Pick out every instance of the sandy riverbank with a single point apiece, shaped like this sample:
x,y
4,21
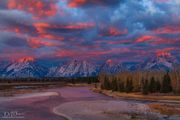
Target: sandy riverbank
x,y
26,96
105,110
139,96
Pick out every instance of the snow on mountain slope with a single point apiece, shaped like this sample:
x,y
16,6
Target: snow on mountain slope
x,y
75,69
112,67
3,65
25,67
160,62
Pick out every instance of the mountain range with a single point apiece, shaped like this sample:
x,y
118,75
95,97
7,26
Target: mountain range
x,y
28,67
25,67
74,68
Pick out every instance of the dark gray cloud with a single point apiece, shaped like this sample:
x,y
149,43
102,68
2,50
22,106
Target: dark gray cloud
x,y
121,29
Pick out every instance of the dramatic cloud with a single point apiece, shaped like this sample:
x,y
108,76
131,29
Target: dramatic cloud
x,y
112,31
86,3
38,8
145,38
96,30
168,30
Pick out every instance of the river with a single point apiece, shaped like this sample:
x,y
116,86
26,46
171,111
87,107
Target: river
x,y
76,103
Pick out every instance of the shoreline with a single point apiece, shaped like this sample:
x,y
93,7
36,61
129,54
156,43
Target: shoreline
x,y
104,110
167,107
139,97
55,111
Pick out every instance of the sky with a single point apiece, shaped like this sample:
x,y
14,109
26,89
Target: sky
x,y
97,30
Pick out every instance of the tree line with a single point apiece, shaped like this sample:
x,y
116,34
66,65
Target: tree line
x,y
144,82
73,80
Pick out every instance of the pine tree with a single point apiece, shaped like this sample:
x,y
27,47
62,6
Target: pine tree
x,y
131,85
89,80
145,87
166,84
121,87
127,86
114,84
158,86
107,85
73,81
142,84
152,85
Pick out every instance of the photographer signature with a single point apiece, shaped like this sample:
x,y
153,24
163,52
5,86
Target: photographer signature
x,y
11,114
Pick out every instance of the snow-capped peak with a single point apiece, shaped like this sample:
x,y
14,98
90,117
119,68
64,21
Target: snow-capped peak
x,y
76,68
109,62
24,67
113,66
161,61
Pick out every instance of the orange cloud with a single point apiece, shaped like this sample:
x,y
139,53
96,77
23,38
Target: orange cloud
x,y
79,26
87,54
165,40
118,42
168,30
79,3
15,54
76,3
156,40
26,59
145,38
164,52
72,53
39,8
51,37
42,29
37,43
41,26
112,31
15,29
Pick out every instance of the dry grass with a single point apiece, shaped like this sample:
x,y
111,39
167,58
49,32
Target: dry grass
x,y
14,91
167,109
80,85
29,83
139,96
